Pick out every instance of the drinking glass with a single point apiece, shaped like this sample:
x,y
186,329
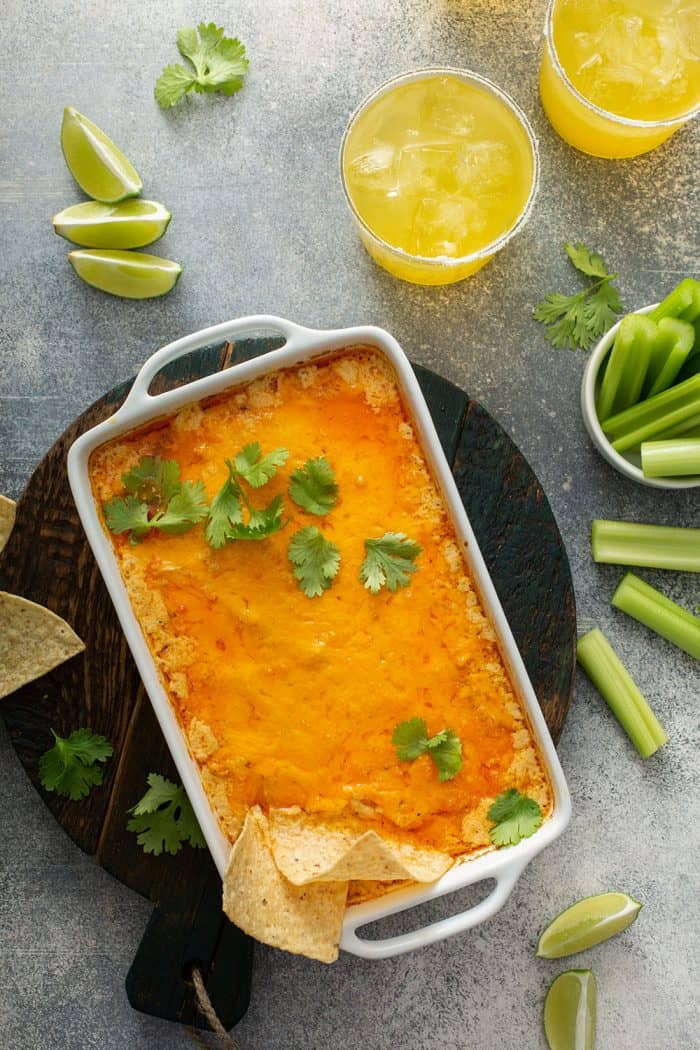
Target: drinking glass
x,y
440,169
641,57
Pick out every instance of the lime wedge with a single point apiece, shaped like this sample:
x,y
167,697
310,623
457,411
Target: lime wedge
x,y
587,922
570,1011
131,224
97,165
133,275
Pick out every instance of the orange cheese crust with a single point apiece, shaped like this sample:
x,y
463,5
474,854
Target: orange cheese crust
x,y
290,701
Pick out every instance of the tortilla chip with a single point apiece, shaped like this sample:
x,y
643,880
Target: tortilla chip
x,y
260,901
7,519
33,641
316,849
371,890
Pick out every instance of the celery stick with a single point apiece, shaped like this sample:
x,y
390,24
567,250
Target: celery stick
x,y
696,347
660,349
644,603
688,428
610,676
692,312
677,302
646,411
627,365
633,440
669,352
690,368
671,459
644,421
653,546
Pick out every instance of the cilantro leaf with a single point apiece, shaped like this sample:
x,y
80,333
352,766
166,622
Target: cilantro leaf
x,y
185,508
160,791
215,63
587,261
257,469
164,818
156,832
127,515
188,45
410,739
315,559
262,523
226,66
72,779
153,480
226,521
602,309
157,499
389,562
69,768
553,307
515,817
226,511
578,320
565,315
172,85
313,487
445,748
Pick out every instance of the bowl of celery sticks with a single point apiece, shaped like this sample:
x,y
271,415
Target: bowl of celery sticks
x,y
640,395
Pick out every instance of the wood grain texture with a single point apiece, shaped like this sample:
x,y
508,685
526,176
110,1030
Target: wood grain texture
x,y
524,552
48,560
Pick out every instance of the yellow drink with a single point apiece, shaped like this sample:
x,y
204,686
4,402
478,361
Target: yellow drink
x,y
618,77
440,169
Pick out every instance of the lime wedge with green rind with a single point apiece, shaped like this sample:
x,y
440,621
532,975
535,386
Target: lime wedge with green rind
x,y
586,923
130,224
97,165
570,1011
133,275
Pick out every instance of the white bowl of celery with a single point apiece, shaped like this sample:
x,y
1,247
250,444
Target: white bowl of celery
x,y
640,395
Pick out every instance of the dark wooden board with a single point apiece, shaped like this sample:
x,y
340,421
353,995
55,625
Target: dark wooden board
x,y
48,560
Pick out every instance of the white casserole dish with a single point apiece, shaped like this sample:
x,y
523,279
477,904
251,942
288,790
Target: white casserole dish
x,y
503,866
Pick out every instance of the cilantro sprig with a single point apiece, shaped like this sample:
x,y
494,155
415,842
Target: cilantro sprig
x,y
73,765
313,487
156,499
389,562
315,559
164,818
256,469
153,480
226,521
214,62
411,740
515,817
578,320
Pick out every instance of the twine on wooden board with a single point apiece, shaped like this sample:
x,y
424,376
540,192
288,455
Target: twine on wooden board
x,y
208,1012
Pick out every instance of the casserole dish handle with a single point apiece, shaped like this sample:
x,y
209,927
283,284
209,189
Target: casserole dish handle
x,y
138,397
505,880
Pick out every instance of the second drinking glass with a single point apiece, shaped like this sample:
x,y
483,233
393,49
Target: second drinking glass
x,y
619,77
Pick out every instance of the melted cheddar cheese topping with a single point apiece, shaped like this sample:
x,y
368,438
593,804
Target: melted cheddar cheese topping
x,y
291,701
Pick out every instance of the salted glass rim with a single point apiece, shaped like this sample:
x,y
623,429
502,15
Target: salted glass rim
x,y
443,261
615,118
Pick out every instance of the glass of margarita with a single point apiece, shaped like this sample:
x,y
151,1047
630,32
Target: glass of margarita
x,y
619,77
440,169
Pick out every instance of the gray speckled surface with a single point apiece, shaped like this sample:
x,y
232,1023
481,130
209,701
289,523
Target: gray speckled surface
x,y
260,225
